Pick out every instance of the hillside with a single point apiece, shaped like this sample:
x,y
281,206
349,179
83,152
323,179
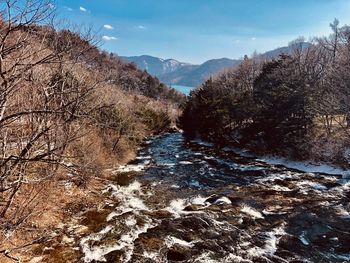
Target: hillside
x,y
69,113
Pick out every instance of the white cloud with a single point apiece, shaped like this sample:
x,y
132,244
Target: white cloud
x,y
109,38
253,38
68,8
82,9
141,27
108,27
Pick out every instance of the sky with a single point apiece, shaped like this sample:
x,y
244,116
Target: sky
x,y
198,30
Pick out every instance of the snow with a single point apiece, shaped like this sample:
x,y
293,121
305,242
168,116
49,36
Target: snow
x,y
306,166
130,168
144,157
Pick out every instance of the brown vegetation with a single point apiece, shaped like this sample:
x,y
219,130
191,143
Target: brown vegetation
x,y
68,111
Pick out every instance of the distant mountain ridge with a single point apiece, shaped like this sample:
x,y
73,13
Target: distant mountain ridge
x,y
155,66
173,72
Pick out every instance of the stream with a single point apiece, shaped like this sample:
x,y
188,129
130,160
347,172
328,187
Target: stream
x,y
187,201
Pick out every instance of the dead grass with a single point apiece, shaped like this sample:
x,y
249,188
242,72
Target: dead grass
x,y
59,205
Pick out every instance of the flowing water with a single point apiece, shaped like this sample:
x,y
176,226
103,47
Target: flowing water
x,y
187,201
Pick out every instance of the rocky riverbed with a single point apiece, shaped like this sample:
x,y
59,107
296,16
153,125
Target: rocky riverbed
x,y
188,201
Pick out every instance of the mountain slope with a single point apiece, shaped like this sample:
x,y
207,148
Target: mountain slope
x,y
155,66
286,50
173,72
195,75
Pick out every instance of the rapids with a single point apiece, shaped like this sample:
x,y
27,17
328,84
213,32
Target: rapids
x,y
188,201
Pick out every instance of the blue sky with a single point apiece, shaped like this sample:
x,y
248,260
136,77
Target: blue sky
x,y
197,30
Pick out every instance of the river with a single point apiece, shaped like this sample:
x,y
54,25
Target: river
x,y
184,89
188,201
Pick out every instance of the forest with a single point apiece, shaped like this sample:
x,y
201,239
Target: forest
x,y
296,105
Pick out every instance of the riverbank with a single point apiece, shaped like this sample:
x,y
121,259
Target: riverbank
x,y
66,212
307,166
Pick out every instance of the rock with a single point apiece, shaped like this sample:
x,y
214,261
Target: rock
x,y
37,259
175,255
192,208
61,226
67,240
81,230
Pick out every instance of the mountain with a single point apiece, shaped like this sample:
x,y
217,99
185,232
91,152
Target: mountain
x,y
286,50
173,72
155,66
194,75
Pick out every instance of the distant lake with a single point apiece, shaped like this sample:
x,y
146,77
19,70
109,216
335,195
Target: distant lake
x,y
184,89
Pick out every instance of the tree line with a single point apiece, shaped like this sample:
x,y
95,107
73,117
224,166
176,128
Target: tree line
x,y
296,104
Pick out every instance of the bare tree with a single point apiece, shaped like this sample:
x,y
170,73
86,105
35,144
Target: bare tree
x,y
40,100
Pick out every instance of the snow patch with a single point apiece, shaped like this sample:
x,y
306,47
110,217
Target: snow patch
x,y
131,168
305,166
